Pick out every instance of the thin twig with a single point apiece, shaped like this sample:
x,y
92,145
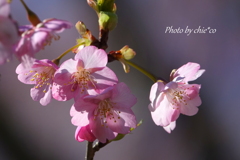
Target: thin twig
x,y
89,151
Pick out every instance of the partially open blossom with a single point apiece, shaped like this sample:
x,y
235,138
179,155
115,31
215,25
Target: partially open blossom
x,y
35,38
41,75
86,73
8,33
107,113
84,133
127,54
123,55
177,96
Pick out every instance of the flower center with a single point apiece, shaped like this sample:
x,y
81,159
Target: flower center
x,y
106,112
48,39
178,97
83,79
43,78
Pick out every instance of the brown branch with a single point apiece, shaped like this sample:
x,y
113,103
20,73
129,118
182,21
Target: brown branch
x,y
90,150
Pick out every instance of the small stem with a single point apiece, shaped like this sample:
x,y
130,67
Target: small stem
x,y
103,38
66,52
149,75
100,145
89,151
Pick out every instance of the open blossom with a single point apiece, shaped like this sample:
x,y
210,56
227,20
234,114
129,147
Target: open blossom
x,y
106,114
41,75
8,33
35,38
85,74
169,100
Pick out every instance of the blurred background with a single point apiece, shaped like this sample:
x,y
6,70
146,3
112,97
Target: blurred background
x,y
31,131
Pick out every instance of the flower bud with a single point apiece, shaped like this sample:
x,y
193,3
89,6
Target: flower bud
x,y
87,37
128,53
32,17
93,4
107,20
81,28
107,5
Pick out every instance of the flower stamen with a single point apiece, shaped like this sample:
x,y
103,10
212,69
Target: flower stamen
x,y
105,111
42,78
178,96
83,79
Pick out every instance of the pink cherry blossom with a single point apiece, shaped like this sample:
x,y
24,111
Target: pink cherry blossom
x,y
107,113
8,33
85,74
35,38
41,75
169,100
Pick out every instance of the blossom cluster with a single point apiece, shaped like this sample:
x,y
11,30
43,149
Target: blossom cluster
x,y
102,107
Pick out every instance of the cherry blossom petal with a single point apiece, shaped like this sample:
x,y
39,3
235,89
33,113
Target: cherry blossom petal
x,y
26,77
156,95
79,118
92,57
102,133
164,114
107,93
8,34
63,74
192,90
192,106
86,104
63,93
46,98
37,94
128,116
105,78
123,97
156,89
190,71
38,39
170,127
8,38
56,24
117,124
